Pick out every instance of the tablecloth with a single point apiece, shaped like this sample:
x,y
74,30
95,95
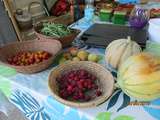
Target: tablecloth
x,y
31,95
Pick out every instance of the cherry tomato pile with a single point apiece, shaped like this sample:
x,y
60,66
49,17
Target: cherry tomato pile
x,y
28,58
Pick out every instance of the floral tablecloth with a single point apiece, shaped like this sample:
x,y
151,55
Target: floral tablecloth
x,y
31,95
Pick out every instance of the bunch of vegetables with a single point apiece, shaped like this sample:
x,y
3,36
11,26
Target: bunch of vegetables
x,y
55,30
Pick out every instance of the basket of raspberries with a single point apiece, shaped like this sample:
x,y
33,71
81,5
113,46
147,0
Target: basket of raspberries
x,y
81,84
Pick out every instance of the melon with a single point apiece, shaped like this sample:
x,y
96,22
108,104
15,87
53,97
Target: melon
x,y
139,77
119,50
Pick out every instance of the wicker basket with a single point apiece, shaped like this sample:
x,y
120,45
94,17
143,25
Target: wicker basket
x,y
66,41
104,76
51,46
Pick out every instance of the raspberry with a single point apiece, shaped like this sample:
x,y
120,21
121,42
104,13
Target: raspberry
x,y
98,93
69,88
76,85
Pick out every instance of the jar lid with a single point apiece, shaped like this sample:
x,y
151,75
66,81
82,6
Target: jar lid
x,y
19,11
24,17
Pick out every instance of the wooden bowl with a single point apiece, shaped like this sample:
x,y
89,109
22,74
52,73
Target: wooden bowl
x,y
65,41
9,50
105,78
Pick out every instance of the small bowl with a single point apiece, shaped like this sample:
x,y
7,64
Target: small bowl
x,y
65,41
50,46
105,78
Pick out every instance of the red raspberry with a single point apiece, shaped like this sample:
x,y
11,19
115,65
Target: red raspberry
x,y
69,88
76,85
98,93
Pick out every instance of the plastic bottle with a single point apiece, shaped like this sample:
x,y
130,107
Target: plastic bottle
x,y
89,10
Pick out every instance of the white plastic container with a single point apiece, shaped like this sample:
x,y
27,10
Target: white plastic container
x,y
154,30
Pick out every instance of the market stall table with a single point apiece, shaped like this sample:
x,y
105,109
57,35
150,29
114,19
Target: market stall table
x,y
30,93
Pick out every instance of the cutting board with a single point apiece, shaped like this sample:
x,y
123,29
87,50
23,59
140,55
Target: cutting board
x,y
102,34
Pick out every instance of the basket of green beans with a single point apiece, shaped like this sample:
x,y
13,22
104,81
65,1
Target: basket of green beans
x,y
50,30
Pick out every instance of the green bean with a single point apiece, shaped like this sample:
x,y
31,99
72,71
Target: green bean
x,y
55,30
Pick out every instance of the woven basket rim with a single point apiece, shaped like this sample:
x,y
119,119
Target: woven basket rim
x,y
30,41
52,37
56,42
28,66
32,65
35,27
92,103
